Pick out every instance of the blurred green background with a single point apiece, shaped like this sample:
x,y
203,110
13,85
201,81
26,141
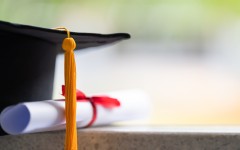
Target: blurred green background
x,y
161,18
184,53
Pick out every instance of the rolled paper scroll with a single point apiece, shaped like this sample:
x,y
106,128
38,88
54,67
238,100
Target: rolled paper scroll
x,y
49,115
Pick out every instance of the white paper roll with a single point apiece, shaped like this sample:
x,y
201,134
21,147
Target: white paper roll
x,y
49,115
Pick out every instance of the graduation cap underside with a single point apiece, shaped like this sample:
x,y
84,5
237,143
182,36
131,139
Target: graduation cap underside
x,y
28,55
83,40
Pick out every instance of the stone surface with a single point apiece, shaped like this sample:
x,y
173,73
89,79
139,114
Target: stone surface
x,y
131,138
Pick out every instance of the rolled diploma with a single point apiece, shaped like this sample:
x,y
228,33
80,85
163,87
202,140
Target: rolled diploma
x,y
48,115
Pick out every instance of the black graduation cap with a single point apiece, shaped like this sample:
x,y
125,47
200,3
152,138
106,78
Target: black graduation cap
x,y
28,55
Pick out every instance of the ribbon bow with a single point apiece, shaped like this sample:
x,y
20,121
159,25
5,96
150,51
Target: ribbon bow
x,y
104,101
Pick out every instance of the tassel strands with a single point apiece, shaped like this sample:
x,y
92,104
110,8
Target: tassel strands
x,y
70,94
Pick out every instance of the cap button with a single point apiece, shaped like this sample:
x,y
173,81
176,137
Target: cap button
x,y
69,44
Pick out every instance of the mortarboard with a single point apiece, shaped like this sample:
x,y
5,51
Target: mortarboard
x,y
28,57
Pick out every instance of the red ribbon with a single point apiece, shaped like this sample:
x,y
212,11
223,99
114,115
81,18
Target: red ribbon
x,y
104,101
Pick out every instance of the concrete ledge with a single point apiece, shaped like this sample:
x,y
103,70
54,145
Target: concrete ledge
x,y
131,137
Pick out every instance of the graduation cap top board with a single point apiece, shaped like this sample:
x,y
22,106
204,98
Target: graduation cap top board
x,y
27,59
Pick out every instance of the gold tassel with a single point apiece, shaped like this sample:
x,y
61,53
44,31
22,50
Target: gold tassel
x,y
70,94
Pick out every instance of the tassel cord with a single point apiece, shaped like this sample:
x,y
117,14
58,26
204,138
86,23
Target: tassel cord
x,y
70,96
